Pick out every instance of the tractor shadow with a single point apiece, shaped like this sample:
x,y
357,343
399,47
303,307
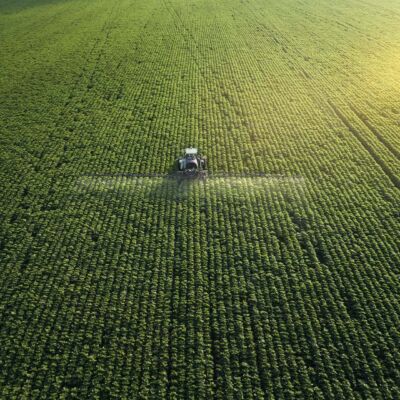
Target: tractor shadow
x,y
174,188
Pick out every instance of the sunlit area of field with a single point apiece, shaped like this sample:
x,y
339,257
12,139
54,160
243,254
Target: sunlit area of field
x,y
276,276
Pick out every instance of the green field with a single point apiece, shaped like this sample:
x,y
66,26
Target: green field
x,y
278,287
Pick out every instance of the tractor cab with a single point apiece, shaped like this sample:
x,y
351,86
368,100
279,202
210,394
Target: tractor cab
x,y
191,161
190,156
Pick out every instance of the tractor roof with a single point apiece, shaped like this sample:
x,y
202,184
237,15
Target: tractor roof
x,y
191,150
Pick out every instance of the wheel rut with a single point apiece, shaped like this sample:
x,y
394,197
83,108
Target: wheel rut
x,y
393,178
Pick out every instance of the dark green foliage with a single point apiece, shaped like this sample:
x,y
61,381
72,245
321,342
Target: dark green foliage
x,y
285,287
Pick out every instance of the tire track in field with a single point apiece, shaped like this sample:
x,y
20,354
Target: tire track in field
x,y
393,178
377,134
185,32
307,73
175,16
188,37
213,88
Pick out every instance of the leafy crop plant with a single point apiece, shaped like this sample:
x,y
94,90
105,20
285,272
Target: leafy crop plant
x,y
277,280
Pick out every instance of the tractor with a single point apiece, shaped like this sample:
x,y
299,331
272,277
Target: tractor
x,y
192,163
